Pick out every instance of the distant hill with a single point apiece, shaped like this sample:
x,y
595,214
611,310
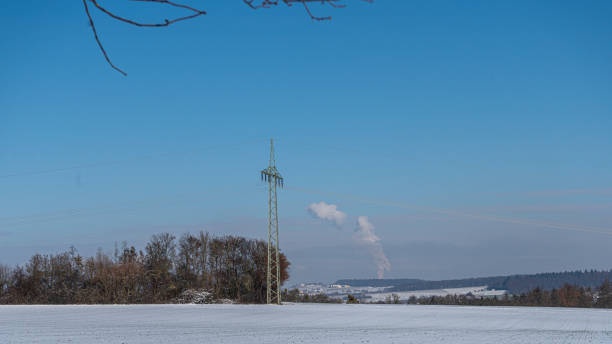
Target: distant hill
x,y
515,284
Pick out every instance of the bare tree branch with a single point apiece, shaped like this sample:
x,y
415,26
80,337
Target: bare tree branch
x,y
196,13
132,22
93,28
310,13
269,3
166,21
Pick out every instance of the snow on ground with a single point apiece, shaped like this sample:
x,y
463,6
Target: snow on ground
x,y
302,323
481,291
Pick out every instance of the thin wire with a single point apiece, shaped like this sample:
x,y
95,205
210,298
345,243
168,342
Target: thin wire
x,y
43,217
120,162
102,209
454,212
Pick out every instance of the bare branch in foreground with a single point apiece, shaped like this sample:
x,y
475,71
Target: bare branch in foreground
x,y
269,3
166,22
196,13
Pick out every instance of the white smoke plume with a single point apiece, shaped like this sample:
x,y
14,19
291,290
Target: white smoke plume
x,y
364,234
327,212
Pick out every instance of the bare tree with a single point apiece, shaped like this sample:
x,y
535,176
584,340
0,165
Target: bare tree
x,y
5,278
193,14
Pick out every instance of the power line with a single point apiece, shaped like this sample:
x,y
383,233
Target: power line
x,y
99,210
123,161
455,213
109,209
68,213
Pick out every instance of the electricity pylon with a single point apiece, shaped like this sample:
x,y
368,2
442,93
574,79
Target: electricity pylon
x,y
274,179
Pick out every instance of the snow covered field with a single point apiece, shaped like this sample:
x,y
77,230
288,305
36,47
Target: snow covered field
x,y
303,323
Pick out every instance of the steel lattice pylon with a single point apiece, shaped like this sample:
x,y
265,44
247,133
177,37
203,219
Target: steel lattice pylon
x,y
274,179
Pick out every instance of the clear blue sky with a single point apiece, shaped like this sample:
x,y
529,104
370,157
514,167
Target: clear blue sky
x,y
495,108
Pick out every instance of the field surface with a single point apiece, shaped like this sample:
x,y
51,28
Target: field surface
x,y
303,323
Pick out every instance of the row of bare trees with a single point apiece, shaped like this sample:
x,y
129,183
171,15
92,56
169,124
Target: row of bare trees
x,y
230,267
566,296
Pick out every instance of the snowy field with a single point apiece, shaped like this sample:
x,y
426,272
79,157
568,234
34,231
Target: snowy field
x,y
303,323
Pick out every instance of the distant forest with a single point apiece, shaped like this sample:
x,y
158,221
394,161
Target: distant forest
x,y
515,284
566,296
228,267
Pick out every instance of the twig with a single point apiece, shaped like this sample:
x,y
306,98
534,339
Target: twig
x,y
166,21
132,22
93,28
310,13
268,3
196,13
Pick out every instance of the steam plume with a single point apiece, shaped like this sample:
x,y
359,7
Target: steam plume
x,y
327,212
364,234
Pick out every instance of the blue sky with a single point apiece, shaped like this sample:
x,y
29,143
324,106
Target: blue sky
x,y
494,108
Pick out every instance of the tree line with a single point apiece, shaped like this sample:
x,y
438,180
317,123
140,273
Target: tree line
x,y
514,284
294,295
566,296
229,267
